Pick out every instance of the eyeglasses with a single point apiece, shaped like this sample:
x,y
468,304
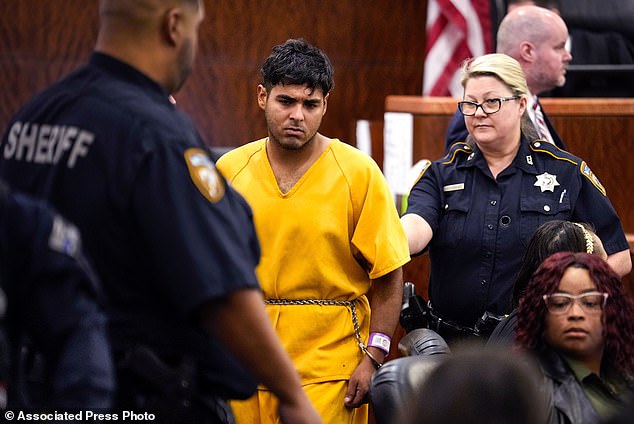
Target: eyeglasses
x,y
488,106
560,303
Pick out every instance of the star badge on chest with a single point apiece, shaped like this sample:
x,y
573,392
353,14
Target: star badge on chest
x,y
546,182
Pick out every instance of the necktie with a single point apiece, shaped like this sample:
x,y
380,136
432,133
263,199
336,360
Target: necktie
x,y
540,123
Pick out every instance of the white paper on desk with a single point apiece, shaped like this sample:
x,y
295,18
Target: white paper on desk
x,y
398,136
364,140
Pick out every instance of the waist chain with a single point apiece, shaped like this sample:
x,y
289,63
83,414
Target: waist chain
x,y
350,304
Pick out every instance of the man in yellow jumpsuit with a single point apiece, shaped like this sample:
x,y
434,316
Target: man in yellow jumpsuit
x,y
330,235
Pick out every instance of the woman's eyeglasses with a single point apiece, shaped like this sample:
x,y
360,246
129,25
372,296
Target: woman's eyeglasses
x,y
560,303
489,106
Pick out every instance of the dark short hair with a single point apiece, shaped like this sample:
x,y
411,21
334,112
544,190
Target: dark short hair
x,y
475,384
296,62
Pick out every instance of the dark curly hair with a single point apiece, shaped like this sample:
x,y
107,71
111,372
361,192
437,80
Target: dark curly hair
x,y
618,314
296,62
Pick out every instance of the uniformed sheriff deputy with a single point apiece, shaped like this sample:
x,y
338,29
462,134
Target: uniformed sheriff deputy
x,y
54,323
174,246
476,208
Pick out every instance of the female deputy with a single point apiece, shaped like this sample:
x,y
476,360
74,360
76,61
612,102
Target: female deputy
x,y
476,208
578,321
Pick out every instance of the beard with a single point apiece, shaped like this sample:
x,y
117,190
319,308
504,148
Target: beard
x,y
185,64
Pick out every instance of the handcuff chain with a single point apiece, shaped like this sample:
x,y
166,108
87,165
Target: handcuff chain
x,y
328,302
347,303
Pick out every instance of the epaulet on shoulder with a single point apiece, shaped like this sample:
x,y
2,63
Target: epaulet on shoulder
x,y
456,149
544,147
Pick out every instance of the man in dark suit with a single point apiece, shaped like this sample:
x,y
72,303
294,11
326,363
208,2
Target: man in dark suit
x,y
536,38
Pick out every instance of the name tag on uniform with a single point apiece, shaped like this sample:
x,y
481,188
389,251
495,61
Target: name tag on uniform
x,y
453,187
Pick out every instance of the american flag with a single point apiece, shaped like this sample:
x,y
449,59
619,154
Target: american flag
x,y
456,30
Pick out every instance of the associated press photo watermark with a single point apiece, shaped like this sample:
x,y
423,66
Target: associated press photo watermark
x,y
79,416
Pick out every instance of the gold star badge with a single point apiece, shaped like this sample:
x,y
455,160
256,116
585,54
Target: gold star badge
x,y
546,182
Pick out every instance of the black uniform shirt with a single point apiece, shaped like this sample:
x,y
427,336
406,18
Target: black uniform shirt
x,y
481,225
107,147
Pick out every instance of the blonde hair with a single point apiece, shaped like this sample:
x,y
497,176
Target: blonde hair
x,y
497,65
509,72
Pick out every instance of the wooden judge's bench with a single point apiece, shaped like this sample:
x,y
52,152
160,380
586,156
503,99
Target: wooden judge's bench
x,y
598,130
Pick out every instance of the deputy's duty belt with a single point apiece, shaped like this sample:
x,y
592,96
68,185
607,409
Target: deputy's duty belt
x,y
438,324
483,327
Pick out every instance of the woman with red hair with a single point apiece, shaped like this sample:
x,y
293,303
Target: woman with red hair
x,y
578,321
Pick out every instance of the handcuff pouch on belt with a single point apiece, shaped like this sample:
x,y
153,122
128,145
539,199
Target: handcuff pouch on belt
x,y
487,323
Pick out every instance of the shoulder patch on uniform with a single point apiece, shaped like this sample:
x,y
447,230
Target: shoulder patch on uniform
x,y
585,170
419,170
204,174
64,237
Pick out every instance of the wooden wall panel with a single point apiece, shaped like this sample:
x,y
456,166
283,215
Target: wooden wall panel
x,y
39,42
377,49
